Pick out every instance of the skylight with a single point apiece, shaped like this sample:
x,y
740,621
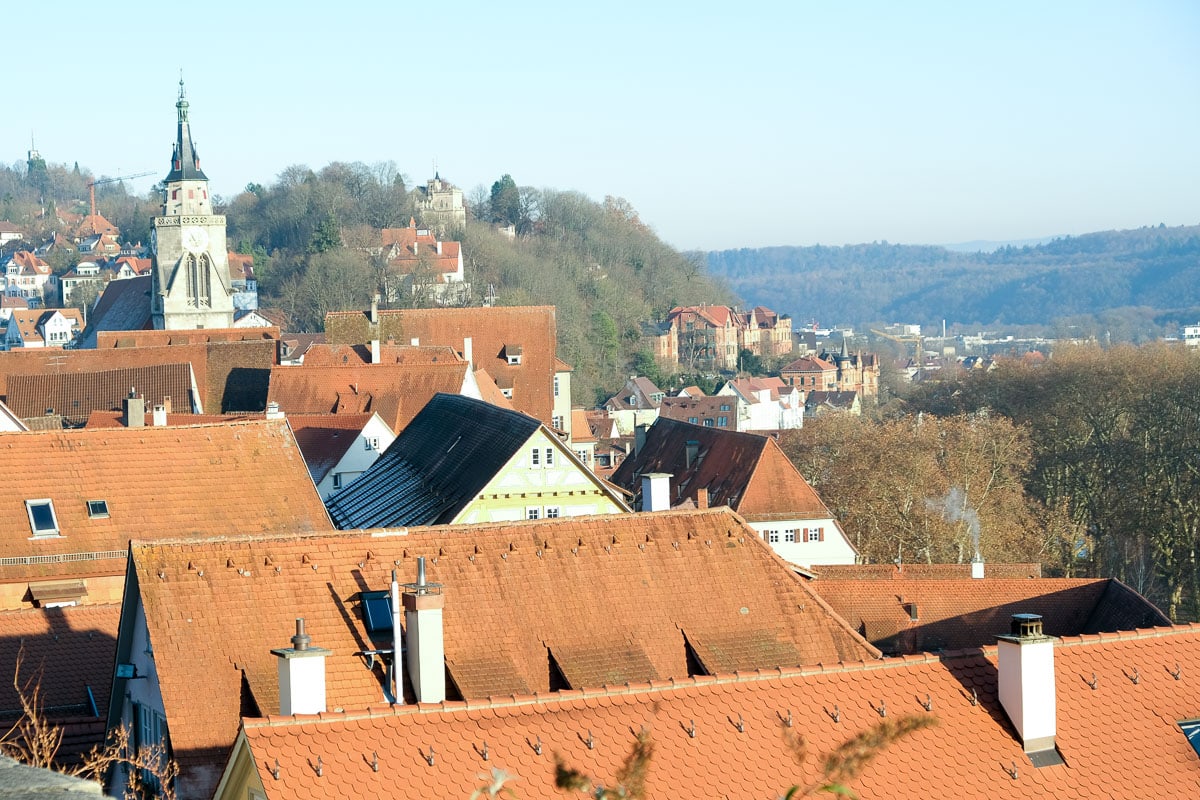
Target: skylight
x,y
41,517
1191,730
377,613
97,509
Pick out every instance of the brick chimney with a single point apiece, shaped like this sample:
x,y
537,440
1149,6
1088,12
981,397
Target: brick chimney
x,y
656,491
702,498
301,675
134,409
1026,668
423,604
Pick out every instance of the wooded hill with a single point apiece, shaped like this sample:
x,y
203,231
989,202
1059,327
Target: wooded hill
x,y
1133,285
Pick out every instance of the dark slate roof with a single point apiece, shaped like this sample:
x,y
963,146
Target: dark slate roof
x,y
75,395
445,457
185,163
124,306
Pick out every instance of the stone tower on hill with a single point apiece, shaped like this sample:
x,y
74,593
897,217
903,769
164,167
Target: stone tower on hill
x,y
190,283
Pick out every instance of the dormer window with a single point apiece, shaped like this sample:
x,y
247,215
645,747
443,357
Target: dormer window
x,y
512,354
42,519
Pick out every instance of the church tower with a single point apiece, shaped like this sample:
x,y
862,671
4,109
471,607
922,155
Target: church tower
x,y
190,283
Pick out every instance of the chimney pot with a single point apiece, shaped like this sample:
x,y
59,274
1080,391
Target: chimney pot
x,y
301,670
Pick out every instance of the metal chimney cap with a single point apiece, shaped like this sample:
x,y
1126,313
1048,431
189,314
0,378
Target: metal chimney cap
x,y
301,640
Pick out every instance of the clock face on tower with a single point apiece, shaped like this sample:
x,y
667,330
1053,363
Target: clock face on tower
x,y
195,240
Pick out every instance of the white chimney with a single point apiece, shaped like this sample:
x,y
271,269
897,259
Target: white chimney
x,y
414,248
397,645
439,247
977,567
301,675
415,342
656,491
160,416
1026,667
374,315
135,410
468,352
423,603
273,411
374,351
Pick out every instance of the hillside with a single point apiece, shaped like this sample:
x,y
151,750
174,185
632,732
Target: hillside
x,y
1148,279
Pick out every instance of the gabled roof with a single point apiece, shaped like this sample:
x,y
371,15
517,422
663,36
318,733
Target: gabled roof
x,y
746,472
29,263
75,395
611,598
809,364
748,388
1119,740
838,400
956,613
396,391
437,465
325,438
68,654
701,408
637,393
581,429
123,306
30,321
205,480
489,329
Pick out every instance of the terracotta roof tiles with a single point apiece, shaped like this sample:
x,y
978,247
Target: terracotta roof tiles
x,y
727,737
191,481
512,599
489,329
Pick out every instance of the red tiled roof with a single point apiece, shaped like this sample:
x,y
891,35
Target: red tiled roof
x,y
727,737
489,329
809,364
956,613
513,598
395,391
116,419
231,375
325,438
581,431
28,320
746,472
30,264
336,355
204,480
64,652
918,571
75,395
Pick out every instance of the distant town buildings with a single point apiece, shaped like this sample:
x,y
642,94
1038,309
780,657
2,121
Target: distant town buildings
x,y
712,338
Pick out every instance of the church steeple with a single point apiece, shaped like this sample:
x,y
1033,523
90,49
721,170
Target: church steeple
x,y
185,163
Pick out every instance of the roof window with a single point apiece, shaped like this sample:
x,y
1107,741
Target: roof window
x,y
42,519
97,509
1191,731
377,613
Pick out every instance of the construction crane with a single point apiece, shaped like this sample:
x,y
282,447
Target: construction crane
x,y
905,340
92,190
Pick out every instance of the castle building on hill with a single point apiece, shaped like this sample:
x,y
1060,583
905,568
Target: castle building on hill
x,y
190,285
440,204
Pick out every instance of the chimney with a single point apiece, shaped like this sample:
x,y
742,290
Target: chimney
x,y
977,567
414,248
468,352
160,416
910,608
423,603
691,450
656,491
439,247
374,351
639,438
1026,672
273,411
415,342
702,498
134,409
301,675
374,315
166,403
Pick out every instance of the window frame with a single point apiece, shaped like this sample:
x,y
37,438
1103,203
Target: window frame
x,y
533,512
42,533
97,509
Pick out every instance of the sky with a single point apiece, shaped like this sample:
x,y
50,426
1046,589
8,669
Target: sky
x,y
725,125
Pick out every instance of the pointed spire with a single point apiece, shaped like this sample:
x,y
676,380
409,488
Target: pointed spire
x,y
185,163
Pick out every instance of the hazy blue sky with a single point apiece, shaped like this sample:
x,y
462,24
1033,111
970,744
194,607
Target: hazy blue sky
x,y
725,124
